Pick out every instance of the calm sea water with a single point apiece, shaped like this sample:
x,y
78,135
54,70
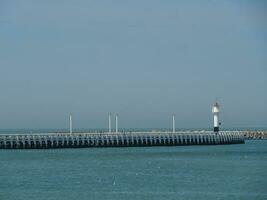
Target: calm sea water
x,y
183,172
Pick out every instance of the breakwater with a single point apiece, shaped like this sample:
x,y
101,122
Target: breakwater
x,y
255,135
130,139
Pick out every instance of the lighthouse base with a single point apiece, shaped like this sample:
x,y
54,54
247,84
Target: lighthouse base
x,y
216,129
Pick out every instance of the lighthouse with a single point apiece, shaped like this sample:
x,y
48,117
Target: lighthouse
x,y
216,111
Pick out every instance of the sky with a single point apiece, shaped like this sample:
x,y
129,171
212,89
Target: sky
x,y
142,59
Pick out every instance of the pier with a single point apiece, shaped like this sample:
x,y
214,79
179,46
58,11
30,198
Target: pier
x,y
118,139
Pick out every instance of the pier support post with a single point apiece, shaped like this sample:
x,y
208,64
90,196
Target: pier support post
x,y
70,123
109,122
116,118
173,123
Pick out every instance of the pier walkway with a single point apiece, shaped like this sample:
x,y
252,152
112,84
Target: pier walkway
x,y
127,139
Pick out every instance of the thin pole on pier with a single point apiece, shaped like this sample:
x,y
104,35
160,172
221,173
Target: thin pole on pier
x,y
173,123
109,122
70,123
116,118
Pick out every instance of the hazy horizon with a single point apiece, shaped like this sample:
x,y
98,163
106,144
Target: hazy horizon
x,y
142,59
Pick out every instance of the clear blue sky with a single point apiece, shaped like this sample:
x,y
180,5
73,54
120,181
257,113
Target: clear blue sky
x,y
144,59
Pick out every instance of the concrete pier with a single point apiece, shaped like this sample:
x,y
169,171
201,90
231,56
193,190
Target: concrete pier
x,y
128,139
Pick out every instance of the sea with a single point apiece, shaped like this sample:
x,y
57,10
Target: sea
x,y
178,172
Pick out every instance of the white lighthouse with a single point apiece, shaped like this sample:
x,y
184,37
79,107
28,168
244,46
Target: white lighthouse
x,y
216,111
